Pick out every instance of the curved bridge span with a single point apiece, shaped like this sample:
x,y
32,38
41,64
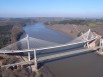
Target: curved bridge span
x,y
83,40
29,44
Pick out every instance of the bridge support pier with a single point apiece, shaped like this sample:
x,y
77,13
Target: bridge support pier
x,y
100,50
34,67
29,56
35,59
101,45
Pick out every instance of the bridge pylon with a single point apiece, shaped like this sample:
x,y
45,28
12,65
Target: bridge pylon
x,y
28,44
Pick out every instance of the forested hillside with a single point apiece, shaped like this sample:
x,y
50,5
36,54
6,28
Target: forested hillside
x,y
9,33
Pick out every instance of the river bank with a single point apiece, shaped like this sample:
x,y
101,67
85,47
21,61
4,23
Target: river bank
x,y
10,33
74,30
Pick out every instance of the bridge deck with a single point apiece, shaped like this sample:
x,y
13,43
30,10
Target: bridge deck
x,y
54,56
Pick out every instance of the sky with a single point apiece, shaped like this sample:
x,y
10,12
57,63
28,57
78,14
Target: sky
x,y
51,8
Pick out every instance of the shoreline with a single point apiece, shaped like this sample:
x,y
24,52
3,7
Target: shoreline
x,y
75,30
67,29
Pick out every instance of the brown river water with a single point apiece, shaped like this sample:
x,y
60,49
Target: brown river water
x,y
82,65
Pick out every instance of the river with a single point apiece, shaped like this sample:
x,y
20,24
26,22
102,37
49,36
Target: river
x,y
84,65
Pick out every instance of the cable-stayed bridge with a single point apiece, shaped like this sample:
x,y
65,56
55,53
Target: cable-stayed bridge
x,y
29,44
